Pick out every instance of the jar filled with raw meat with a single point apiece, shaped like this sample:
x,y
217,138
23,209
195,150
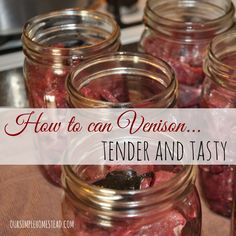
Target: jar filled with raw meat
x,y
179,31
132,200
219,91
122,80
55,43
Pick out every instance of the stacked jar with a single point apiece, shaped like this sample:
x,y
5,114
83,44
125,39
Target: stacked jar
x,y
219,91
179,32
134,199
53,45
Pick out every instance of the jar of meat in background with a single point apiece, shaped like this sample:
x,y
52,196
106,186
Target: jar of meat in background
x,y
169,205
122,80
55,43
179,32
219,91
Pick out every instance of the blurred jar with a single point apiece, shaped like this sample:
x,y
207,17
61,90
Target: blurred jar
x,y
219,91
122,80
179,31
170,206
55,43
219,87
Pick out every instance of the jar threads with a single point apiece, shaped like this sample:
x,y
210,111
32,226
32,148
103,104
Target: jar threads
x,y
123,80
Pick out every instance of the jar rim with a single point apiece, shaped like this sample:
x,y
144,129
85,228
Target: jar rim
x,y
68,170
131,57
216,41
108,203
219,24
38,20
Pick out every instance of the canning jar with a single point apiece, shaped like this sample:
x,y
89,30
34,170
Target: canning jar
x,y
219,91
55,43
169,206
179,31
122,80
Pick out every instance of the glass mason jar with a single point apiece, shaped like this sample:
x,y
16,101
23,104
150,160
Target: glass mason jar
x,y
55,43
179,31
219,91
122,80
170,206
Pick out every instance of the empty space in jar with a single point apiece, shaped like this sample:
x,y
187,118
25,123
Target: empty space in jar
x,y
191,11
72,31
73,36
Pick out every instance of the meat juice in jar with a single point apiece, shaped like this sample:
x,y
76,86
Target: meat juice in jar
x,y
53,45
219,91
179,32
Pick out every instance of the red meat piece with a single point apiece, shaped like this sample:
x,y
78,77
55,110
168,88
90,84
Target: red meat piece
x,y
162,176
90,93
107,96
187,74
45,83
93,173
186,61
108,89
171,223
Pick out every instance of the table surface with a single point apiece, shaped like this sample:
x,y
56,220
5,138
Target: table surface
x,y
26,194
